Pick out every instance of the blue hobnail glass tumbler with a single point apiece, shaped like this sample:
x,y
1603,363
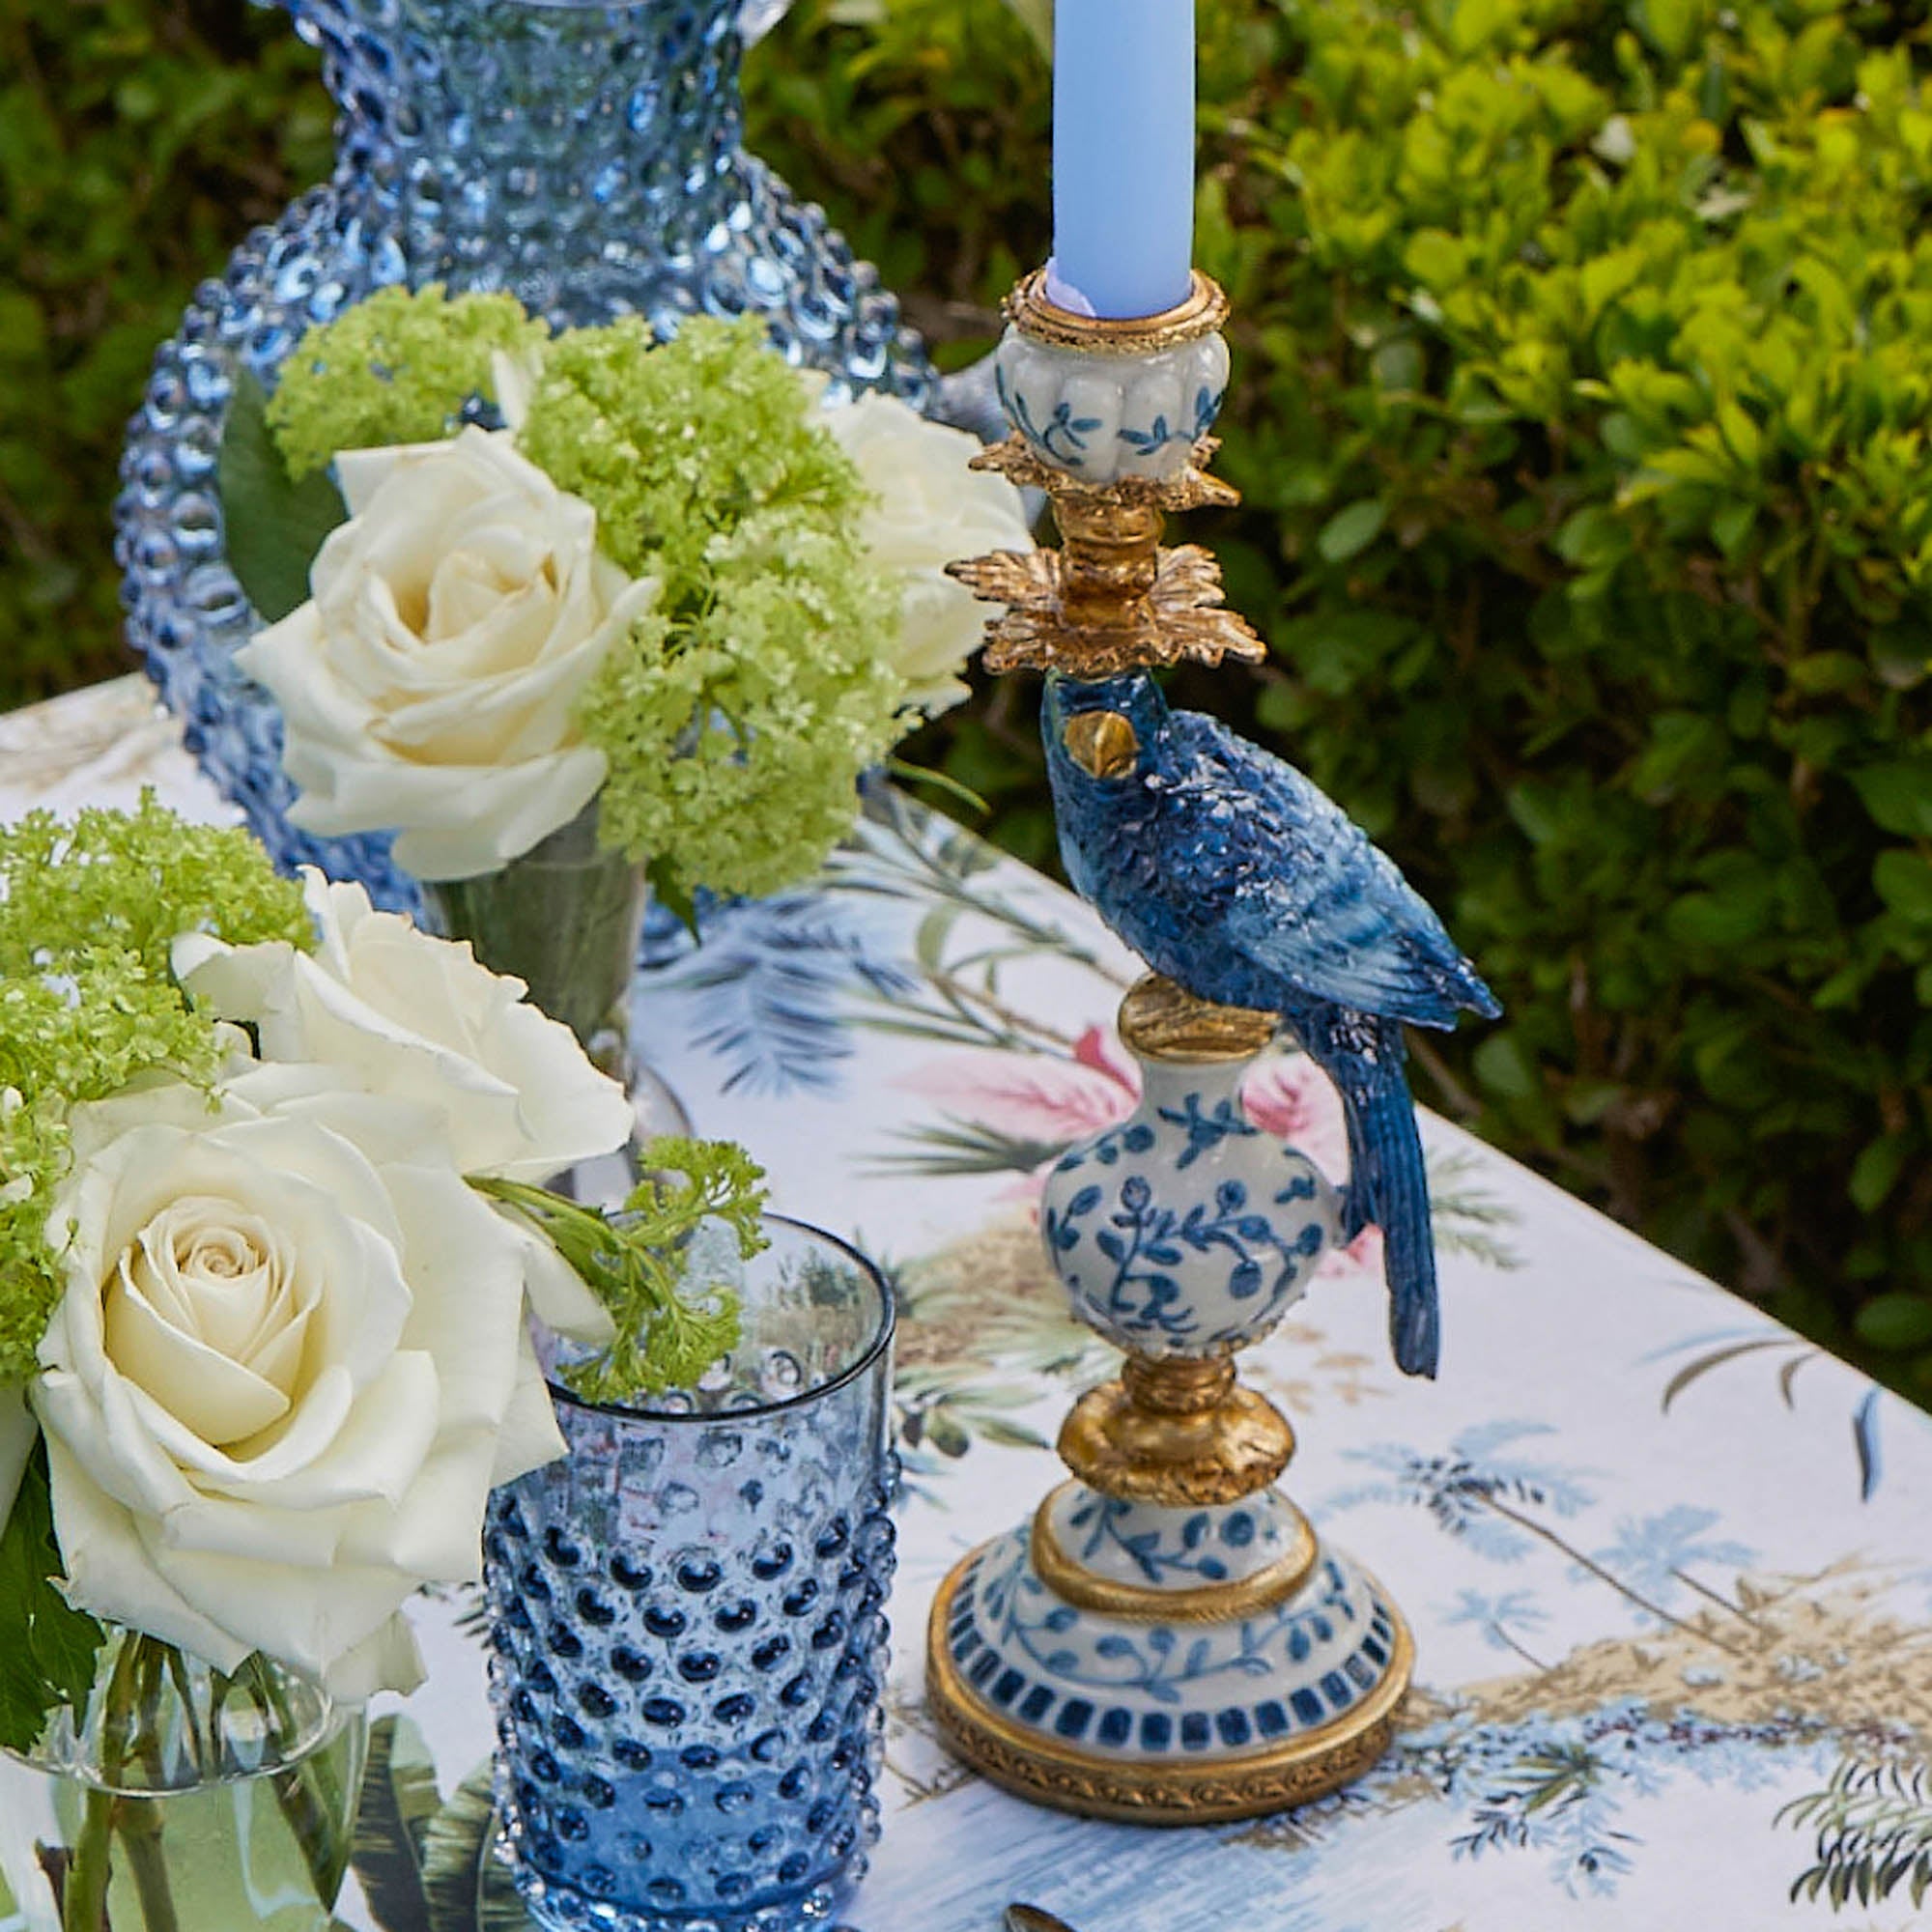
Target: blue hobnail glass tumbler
x,y
687,1624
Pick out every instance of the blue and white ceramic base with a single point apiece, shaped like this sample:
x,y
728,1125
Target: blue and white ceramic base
x,y
1168,1640
1103,418
1165,1722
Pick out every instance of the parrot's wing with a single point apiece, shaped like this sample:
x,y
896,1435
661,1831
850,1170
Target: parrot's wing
x,y
1300,890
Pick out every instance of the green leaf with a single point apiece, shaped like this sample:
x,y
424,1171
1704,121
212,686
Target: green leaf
x,y
1437,257
667,888
48,1649
1904,882
1731,528
1736,910
466,1887
1876,1170
1895,1322
272,527
1350,531
399,1799
1504,1068
1036,18
1898,795
1594,538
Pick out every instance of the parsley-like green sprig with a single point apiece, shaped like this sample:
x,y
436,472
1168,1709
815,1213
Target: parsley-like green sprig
x,y
88,914
669,1334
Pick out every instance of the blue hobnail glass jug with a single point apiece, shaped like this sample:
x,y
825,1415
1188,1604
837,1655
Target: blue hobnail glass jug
x,y
587,158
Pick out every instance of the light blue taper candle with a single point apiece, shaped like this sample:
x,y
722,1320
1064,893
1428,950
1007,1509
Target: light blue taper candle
x,y
1123,155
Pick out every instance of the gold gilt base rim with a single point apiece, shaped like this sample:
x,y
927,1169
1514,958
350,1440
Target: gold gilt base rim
x,y
1131,1791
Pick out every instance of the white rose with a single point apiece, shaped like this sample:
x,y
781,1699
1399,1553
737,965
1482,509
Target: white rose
x,y
287,1367
429,684
927,509
421,1020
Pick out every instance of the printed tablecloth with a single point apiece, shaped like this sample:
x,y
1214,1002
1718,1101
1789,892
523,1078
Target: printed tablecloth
x,y
1669,1565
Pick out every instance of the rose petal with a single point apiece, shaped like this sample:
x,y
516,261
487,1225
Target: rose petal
x,y
389,1659
109,1573
529,1436
212,1397
558,1295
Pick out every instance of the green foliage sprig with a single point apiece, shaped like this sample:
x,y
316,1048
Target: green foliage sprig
x,y
88,912
398,367
669,1330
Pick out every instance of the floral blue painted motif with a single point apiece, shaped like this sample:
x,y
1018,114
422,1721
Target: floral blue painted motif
x,y
1158,434
1142,1245
1122,1682
1062,437
1192,1558
1201,1231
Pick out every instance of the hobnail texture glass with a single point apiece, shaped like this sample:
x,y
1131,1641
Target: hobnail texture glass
x,y
585,158
689,1625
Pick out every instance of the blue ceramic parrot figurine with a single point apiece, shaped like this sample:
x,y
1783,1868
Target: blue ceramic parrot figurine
x,y
1227,870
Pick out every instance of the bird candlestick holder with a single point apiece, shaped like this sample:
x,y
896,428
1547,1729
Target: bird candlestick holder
x,y
1166,1639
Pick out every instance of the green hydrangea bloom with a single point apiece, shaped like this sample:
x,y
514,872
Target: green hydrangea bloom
x,y
738,720
88,913
675,444
396,368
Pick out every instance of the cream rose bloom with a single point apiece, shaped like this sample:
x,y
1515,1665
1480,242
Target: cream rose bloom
x,y
287,1367
927,509
428,686
420,1020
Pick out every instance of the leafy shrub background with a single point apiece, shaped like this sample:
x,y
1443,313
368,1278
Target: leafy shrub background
x,y
1583,357
139,139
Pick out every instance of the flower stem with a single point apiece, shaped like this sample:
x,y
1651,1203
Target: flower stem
x,y
131,1726
310,1798
84,1895
138,1821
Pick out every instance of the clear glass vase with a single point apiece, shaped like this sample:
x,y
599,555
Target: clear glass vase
x,y
181,1801
689,1625
566,919
586,158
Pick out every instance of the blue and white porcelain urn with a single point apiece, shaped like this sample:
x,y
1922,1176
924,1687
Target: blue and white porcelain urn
x,y
1187,1231
1166,1639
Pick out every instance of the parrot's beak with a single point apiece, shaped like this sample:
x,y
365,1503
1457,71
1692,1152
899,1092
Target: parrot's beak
x,y
1102,743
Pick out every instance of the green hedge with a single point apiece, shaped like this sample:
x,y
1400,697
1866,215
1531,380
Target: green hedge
x,y
139,139
1582,356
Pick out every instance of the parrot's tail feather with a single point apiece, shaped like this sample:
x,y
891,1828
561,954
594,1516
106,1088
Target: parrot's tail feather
x,y
1388,1181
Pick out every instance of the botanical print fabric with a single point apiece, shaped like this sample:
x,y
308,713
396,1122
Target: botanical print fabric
x,y
1668,1567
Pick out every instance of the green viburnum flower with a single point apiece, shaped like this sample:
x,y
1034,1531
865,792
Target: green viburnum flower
x,y
737,723
396,368
675,444
88,912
